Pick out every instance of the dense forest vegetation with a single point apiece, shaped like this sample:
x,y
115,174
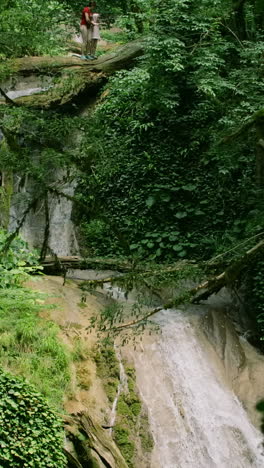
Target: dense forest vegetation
x,y
170,160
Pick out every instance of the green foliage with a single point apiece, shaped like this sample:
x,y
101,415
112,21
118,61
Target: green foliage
x,y
99,239
29,345
260,408
16,262
131,15
32,27
160,173
255,297
30,433
36,145
258,289
116,36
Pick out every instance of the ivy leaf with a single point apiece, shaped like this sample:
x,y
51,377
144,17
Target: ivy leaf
x,y
150,201
181,214
133,246
177,247
189,187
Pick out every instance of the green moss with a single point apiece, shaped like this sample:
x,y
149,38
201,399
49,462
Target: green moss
x,y
136,408
122,407
128,411
107,367
146,439
130,424
125,444
66,87
111,387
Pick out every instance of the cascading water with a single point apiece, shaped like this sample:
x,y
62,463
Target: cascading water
x,y
25,92
195,418
122,387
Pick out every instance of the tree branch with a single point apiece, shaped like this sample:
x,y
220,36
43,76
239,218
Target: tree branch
x,y
12,236
211,286
8,100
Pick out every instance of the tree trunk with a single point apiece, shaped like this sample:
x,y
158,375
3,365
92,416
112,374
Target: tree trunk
x,y
208,287
72,76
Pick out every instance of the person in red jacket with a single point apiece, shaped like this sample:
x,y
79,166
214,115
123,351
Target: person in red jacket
x,y
86,31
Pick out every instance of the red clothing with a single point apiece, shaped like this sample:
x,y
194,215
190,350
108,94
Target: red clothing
x,y
85,10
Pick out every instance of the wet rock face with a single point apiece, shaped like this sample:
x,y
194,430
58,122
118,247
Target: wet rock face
x,y
242,364
49,220
18,86
221,334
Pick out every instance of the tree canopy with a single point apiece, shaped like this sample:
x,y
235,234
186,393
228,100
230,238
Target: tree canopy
x,y
165,171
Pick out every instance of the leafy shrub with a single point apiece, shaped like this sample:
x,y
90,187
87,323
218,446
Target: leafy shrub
x,y
16,261
99,238
32,28
30,433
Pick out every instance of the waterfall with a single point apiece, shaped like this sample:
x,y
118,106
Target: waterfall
x,y
195,418
122,386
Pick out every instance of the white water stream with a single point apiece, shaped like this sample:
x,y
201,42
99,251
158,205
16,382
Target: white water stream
x,y
122,387
25,92
195,418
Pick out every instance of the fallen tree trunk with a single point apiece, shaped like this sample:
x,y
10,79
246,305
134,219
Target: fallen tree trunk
x,y
60,264
112,61
139,273
72,75
209,287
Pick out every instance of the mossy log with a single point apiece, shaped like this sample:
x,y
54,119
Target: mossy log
x,y
55,264
72,76
112,61
91,444
60,264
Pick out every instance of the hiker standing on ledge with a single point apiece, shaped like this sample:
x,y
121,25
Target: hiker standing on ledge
x,y
95,31
86,31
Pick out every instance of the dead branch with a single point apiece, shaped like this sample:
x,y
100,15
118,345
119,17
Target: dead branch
x,y
13,234
212,260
